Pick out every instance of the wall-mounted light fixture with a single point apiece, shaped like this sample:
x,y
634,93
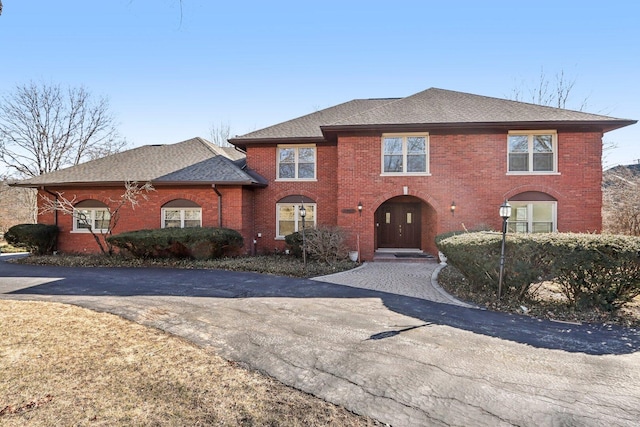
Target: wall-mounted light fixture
x,y
360,208
453,208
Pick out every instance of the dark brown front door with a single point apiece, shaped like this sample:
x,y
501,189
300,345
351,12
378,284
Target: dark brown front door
x,y
398,225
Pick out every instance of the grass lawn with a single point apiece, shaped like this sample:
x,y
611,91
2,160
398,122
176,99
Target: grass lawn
x,y
63,365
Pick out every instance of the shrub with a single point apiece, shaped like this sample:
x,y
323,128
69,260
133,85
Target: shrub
x,y
596,271
294,243
326,244
198,243
39,239
599,271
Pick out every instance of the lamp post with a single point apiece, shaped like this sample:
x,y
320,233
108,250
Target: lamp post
x,y
303,214
505,213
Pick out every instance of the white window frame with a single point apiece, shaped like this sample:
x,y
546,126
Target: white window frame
x,y
297,148
530,135
530,205
297,218
182,215
92,220
404,137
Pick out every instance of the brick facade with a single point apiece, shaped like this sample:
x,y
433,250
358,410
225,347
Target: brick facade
x,y
236,208
469,169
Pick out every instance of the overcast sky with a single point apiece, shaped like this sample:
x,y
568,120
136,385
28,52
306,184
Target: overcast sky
x,y
170,71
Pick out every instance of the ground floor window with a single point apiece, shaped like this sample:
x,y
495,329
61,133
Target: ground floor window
x,y
181,214
91,215
288,218
532,217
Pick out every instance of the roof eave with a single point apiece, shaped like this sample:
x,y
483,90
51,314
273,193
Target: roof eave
x,y
603,125
242,143
121,183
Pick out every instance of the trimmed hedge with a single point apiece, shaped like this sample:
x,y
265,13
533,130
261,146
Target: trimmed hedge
x,y
197,242
39,239
597,271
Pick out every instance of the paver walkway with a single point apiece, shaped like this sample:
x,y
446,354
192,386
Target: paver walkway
x,y
412,279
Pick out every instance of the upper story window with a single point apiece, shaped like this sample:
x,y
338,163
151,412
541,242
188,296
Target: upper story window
x,y
296,162
181,213
91,215
532,152
405,154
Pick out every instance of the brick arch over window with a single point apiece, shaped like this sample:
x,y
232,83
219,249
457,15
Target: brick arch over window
x,y
531,189
532,196
181,203
90,203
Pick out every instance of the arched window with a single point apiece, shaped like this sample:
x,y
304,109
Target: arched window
x,y
181,213
288,218
533,212
91,215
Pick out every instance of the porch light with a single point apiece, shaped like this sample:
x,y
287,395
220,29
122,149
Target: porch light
x,y
360,208
453,208
303,214
505,213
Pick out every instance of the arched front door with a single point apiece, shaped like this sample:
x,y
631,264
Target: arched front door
x,y
398,224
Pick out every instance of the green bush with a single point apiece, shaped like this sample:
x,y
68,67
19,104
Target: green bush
x,y
294,243
600,271
198,243
597,271
39,239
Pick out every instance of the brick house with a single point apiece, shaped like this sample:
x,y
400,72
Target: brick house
x,y
393,173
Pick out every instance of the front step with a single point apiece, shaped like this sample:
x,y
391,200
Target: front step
x,y
402,255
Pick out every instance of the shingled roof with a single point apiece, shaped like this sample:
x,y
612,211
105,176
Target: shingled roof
x,y
432,108
192,161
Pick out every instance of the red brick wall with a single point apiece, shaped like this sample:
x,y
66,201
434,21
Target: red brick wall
x,y
148,213
262,159
469,169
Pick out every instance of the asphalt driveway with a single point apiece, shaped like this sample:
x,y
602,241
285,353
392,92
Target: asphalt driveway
x,y
401,359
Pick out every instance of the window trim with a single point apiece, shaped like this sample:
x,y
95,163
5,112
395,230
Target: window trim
x,y
530,204
92,211
297,147
404,136
297,219
530,134
182,215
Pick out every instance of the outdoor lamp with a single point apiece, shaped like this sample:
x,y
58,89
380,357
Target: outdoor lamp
x,y
453,208
360,208
303,214
505,213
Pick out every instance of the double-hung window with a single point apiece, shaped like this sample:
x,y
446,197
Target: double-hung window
x,y
181,213
296,162
532,152
289,220
532,217
405,154
91,215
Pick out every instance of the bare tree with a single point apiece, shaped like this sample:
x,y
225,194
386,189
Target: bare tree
x,y
220,134
551,93
621,201
44,128
131,197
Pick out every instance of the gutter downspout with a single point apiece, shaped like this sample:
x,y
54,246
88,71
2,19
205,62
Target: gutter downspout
x,y
219,204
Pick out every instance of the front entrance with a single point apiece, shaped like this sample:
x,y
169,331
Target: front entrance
x,y
398,225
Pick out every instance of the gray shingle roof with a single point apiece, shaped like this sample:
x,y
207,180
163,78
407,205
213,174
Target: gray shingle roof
x,y
309,126
192,161
430,107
